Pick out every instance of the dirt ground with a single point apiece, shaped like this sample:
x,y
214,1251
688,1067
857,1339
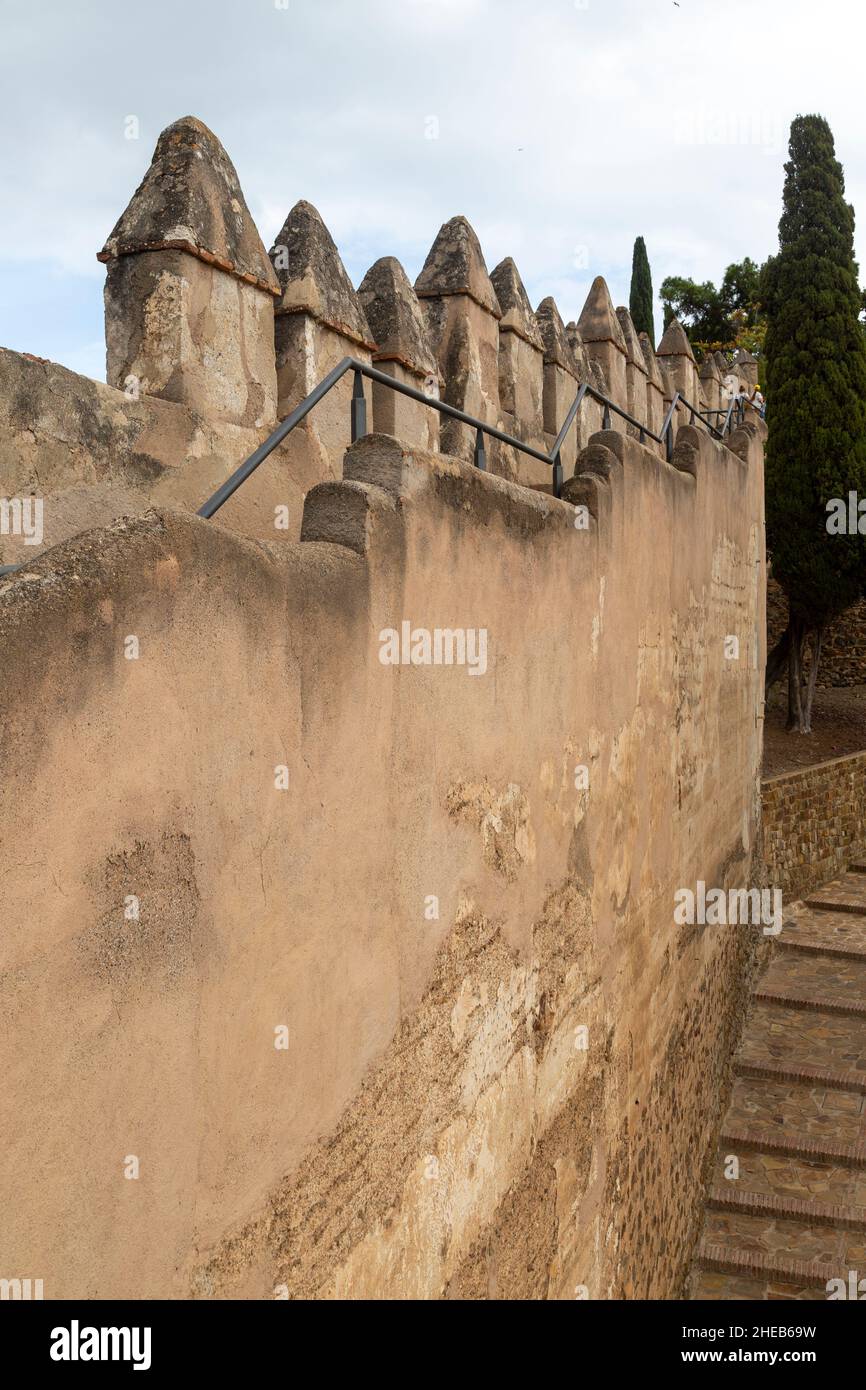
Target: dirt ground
x,y
838,724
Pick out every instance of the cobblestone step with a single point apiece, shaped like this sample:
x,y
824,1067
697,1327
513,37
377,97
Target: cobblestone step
x,y
732,1199
825,926
795,1037
710,1285
799,1273
786,1208
817,947
795,1146
817,1076
849,1008
787,1175
844,894
788,1108
816,977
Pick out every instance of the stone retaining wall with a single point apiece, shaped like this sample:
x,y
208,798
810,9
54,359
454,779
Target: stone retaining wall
x,y
814,822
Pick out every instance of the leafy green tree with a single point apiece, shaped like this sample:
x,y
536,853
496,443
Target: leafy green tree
x,y
698,308
740,292
726,317
816,404
640,300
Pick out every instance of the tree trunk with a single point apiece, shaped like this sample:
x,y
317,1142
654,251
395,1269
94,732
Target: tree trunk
x,y
817,639
795,669
777,661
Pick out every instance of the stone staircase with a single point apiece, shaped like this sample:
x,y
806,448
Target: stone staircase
x,y
796,1215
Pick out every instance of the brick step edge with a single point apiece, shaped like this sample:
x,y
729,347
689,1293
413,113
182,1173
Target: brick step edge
x,y
805,1273
812,1150
809,1076
825,905
814,947
787,1208
812,1003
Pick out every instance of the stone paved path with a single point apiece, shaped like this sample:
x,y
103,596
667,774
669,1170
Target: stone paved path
x,y
796,1214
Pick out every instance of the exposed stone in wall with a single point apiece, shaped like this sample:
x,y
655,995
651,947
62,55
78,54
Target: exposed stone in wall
x,y
189,292
404,351
814,823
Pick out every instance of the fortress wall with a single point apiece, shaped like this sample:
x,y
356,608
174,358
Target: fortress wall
x,y
210,340
434,1127
92,453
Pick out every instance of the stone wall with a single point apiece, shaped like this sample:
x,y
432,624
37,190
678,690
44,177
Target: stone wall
x,y
372,969
210,340
814,823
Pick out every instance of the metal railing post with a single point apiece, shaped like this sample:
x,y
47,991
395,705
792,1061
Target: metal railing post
x,y
605,419
359,408
557,475
480,451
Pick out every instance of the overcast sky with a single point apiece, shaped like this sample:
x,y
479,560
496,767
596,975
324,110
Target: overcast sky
x,y
561,128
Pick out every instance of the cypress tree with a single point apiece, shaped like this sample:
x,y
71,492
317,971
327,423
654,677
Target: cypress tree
x,y
816,402
640,299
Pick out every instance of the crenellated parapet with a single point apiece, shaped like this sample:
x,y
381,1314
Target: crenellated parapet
x,y
404,351
601,332
189,294
319,320
677,362
211,341
521,356
561,379
635,369
462,314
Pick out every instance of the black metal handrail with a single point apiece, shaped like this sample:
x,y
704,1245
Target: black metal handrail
x,y
358,426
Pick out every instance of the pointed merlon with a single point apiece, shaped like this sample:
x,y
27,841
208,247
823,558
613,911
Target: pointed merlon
x,y
313,278
190,200
674,342
455,265
629,333
598,322
557,348
578,349
743,358
710,369
653,369
517,315
395,318
722,363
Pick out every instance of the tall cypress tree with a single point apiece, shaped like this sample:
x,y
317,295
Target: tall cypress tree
x,y
816,401
640,300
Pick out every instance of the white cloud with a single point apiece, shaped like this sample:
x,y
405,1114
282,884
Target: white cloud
x,y
558,126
